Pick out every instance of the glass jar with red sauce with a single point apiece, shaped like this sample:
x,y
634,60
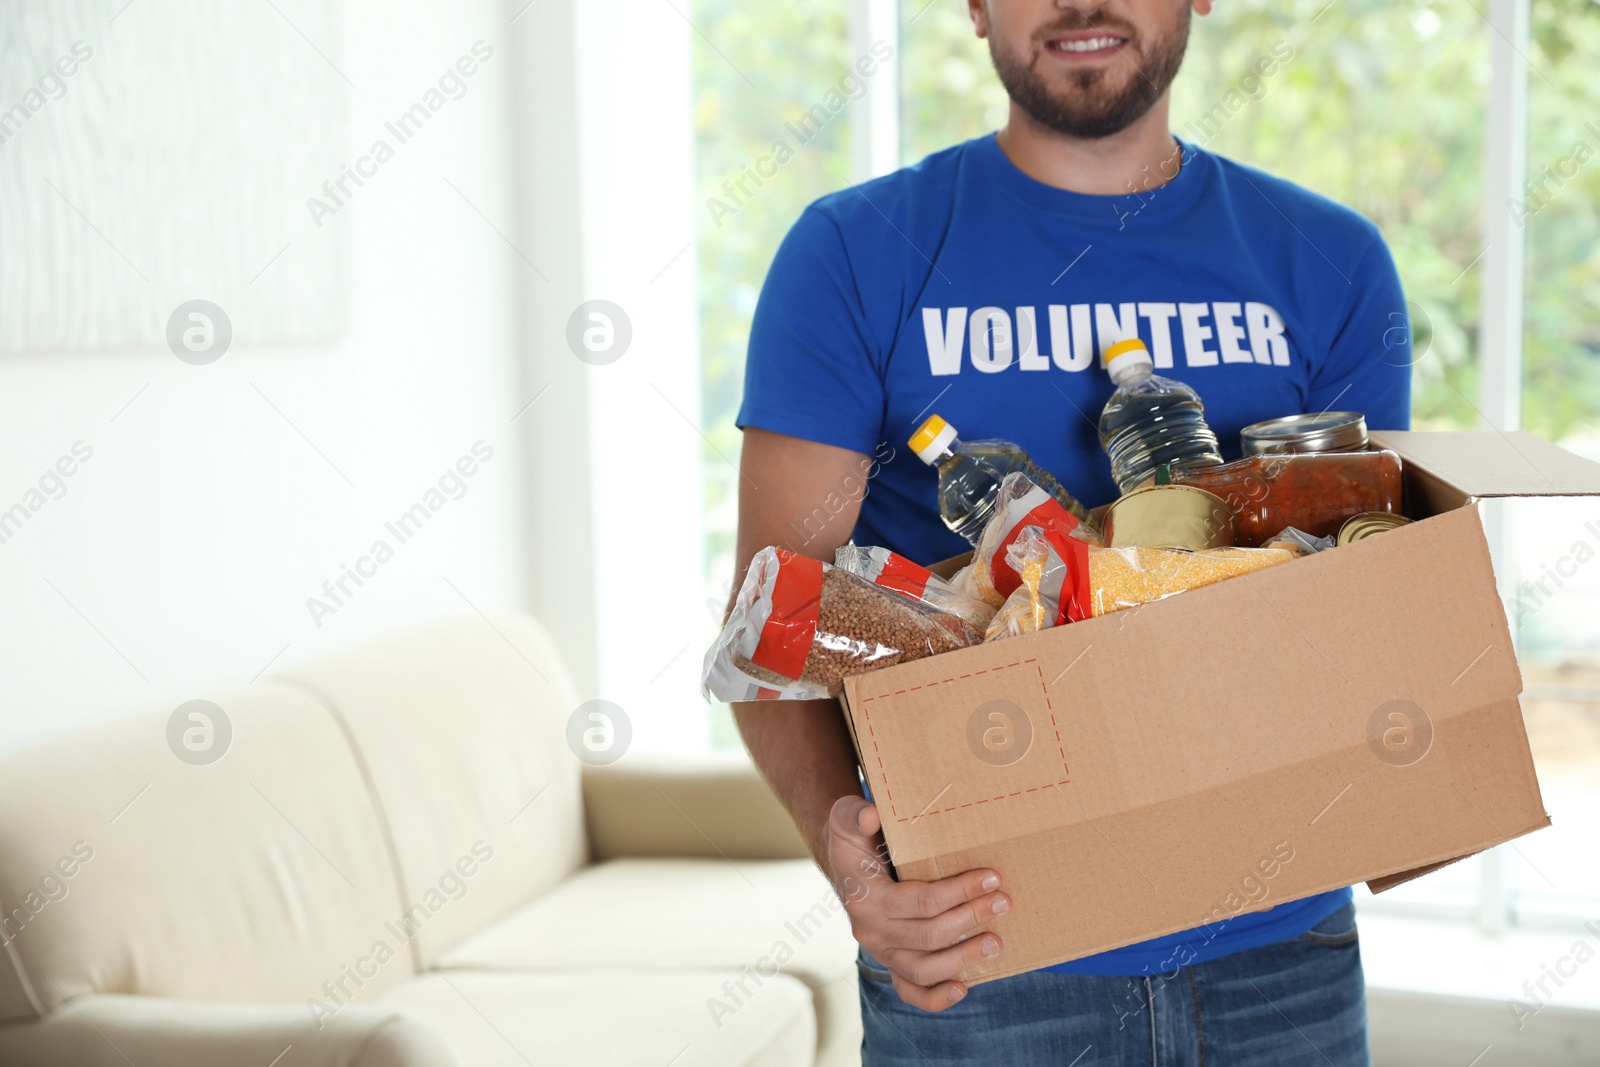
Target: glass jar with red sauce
x,y
1311,491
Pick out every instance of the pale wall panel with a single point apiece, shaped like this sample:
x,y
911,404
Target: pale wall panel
x,y
173,165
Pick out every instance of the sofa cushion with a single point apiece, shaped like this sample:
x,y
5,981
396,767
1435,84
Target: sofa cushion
x,y
713,804
605,1018
257,877
744,916
461,727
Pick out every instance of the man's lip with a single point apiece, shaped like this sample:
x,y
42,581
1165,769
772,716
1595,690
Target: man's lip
x,y
1058,43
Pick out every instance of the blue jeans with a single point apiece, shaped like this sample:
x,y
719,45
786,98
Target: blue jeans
x,y
1300,1001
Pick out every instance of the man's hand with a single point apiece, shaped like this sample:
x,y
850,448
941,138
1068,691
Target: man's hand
x,y
922,931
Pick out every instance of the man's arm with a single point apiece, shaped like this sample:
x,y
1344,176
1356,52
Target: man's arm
x,y
921,931
801,746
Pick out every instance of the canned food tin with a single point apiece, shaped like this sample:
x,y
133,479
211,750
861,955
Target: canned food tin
x,y
1328,431
1169,516
1368,523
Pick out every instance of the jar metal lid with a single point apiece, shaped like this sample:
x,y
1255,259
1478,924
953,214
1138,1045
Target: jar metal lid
x,y
1327,431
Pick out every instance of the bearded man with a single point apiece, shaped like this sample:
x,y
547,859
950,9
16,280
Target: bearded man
x,y
983,284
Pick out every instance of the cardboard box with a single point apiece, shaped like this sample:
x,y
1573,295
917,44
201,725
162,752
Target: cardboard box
x,y
1148,771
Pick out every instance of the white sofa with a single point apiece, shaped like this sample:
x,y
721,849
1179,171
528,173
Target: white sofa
x,y
397,862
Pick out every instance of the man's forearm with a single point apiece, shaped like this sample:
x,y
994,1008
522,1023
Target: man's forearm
x,y
804,751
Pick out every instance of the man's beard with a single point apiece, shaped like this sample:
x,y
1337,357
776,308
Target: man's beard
x,y
1081,103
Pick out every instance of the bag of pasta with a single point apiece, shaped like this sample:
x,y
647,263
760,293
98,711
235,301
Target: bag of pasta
x,y
799,627
892,571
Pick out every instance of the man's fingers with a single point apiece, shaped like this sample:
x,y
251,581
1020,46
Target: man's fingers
x,y
924,900
869,821
953,926
853,849
938,998
931,969
849,820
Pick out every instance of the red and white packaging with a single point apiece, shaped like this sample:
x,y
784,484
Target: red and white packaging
x,y
800,626
892,571
1022,504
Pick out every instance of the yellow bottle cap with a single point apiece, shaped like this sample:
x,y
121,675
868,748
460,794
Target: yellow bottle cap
x,y
1122,357
931,439
1120,347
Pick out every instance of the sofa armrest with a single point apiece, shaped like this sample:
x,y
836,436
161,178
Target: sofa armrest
x,y
704,806
115,1030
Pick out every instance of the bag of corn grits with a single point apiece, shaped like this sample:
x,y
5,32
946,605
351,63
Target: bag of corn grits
x,y
1020,504
1056,587
892,571
1035,604
799,627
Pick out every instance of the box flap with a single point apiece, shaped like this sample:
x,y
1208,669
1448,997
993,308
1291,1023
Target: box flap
x,y
1485,463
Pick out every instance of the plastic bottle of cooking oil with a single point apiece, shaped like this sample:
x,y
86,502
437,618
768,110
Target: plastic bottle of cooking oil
x,y
1151,420
970,473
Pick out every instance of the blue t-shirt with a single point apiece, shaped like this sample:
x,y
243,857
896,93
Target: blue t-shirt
x,y
964,288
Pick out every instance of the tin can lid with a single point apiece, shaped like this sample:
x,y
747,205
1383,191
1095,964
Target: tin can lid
x,y
1169,516
1327,431
1367,523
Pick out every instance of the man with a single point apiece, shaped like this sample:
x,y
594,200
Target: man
x,y
983,284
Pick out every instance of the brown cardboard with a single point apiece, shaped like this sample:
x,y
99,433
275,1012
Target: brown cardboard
x,y
1487,463
1222,751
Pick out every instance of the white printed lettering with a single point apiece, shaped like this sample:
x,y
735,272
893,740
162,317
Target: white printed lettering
x,y
1113,325
944,344
1230,333
1160,316
1070,349
1082,338
1195,335
1223,332
1266,334
1028,357
990,333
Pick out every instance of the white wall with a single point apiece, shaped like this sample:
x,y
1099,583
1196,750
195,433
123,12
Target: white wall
x,y
182,554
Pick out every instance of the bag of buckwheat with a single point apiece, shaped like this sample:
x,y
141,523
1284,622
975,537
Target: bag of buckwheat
x,y
892,571
799,627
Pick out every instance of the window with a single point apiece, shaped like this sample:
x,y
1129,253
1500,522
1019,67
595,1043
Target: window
x,y
1556,596
760,157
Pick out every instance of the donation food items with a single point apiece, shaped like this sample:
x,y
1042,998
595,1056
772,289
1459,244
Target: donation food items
x,y
970,473
1051,572
800,626
1326,431
894,572
1019,504
1151,421
1313,492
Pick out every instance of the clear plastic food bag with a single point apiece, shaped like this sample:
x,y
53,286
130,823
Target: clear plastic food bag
x,y
1064,582
1035,604
1127,577
892,571
799,627
1021,504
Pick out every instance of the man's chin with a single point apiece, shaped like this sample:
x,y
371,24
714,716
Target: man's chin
x,y
1082,120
